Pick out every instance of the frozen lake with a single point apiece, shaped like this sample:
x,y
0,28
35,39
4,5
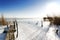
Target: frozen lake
x,y
29,31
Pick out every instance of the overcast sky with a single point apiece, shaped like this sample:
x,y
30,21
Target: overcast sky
x,y
29,8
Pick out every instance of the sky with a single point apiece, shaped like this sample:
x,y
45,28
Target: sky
x,y
29,8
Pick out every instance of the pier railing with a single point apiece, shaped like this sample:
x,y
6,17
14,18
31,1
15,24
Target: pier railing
x,y
12,29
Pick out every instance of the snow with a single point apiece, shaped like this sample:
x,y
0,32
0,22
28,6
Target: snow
x,y
2,28
3,35
51,34
59,31
28,31
25,30
32,30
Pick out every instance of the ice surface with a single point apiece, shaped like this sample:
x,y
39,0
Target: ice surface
x,y
2,29
3,35
51,35
29,31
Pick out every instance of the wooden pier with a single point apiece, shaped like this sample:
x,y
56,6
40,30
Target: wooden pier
x,y
10,34
12,28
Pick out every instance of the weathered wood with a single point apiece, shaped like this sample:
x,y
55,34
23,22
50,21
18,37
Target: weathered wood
x,y
10,33
10,36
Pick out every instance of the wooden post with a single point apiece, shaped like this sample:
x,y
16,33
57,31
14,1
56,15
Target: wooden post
x,y
17,28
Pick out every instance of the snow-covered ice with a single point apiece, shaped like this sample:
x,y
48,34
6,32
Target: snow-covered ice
x,y
51,34
3,35
29,31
